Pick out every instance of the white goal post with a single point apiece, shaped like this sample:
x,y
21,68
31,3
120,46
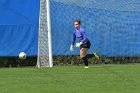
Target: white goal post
x,y
44,58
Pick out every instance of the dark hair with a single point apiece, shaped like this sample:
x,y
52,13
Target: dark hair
x,y
78,21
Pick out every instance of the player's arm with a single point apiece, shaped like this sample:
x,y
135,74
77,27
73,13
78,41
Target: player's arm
x,y
73,42
73,39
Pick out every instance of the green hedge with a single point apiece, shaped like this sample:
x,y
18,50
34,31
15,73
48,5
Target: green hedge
x,y
16,62
75,60
67,60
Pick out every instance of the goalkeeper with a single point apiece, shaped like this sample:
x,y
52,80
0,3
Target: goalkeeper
x,y
84,42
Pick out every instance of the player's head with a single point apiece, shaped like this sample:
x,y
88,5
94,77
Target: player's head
x,y
77,24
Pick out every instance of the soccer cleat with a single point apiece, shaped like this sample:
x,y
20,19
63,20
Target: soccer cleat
x,y
96,56
86,67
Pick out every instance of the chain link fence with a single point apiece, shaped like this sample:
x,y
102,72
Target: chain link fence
x,y
112,27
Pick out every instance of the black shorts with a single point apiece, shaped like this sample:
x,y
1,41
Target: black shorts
x,y
85,45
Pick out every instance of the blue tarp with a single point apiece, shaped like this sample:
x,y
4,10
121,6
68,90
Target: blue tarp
x,y
18,27
112,26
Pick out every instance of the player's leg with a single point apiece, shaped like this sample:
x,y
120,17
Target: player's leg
x,y
94,55
83,52
88,44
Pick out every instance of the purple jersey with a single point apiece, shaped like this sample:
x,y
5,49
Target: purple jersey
x,y
81,35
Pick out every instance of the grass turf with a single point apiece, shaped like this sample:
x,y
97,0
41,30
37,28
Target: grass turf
x,y
71,79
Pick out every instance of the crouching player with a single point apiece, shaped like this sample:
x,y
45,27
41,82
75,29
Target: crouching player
x,y
84,42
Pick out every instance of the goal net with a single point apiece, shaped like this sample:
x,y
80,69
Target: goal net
x,y
44,36
111,26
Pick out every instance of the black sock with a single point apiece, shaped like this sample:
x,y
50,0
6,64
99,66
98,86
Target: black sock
x,y
85,61
90,56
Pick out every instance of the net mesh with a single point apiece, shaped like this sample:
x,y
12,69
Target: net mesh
x,y
43,52
112,26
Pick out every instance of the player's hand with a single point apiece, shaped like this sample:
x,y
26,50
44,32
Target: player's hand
x,y
78,44
96,56
71,48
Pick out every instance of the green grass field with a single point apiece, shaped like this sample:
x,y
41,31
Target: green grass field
x,y
71,79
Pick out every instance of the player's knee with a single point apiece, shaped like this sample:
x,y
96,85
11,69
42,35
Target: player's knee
x,y
82,56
